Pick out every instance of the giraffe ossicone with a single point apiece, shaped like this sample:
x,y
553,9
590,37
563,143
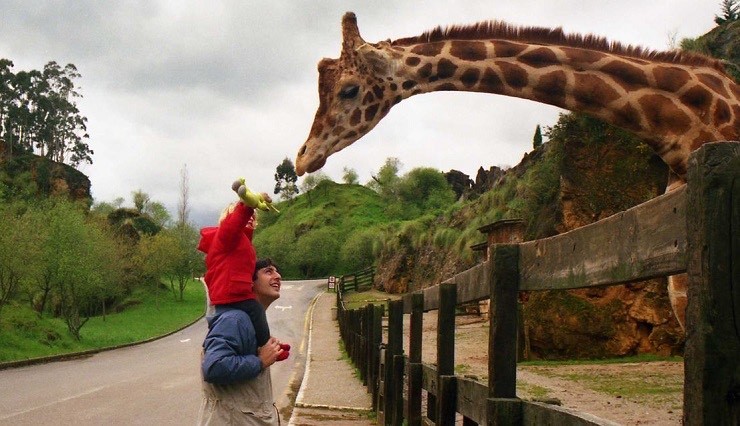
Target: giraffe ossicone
x,y
675,101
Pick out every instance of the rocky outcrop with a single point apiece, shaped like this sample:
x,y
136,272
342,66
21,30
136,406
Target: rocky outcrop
x,y
50,178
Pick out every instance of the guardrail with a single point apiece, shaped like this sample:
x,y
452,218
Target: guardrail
x,y
358,281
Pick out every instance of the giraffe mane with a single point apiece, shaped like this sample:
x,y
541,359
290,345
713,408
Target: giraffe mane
x,y
502,30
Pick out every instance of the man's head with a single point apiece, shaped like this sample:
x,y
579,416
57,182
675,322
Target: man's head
x,y
267,281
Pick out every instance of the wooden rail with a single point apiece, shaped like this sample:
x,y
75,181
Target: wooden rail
x,y
695,229
357,281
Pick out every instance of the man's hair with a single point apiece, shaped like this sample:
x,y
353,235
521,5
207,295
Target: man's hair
x,y
263,263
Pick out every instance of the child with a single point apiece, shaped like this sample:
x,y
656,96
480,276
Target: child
x,y
230,261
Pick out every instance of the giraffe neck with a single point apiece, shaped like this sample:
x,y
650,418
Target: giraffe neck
x,y
673,107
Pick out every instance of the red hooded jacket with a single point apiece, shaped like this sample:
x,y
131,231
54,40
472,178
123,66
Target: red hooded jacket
x,y
230,257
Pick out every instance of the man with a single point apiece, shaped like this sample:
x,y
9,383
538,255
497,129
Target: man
x,y
237,388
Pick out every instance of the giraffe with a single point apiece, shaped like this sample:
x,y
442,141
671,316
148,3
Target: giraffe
x,y
674,101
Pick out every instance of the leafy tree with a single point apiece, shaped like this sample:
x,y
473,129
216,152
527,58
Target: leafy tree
x,y
357,251
159,214
313,180
154,257
38,112
424,189
537,140
19,247
77,262
141,200
317,252
285,179
730,12
386,180
350,176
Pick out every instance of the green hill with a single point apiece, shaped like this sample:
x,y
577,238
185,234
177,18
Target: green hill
x,y
331,230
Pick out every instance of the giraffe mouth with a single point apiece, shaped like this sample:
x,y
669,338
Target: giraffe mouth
x,y
308,162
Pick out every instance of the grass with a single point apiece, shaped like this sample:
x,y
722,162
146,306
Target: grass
x,y
624,360
25,336
355,300
534,391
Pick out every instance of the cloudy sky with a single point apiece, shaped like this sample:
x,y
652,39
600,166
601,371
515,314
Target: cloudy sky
x,y
229,88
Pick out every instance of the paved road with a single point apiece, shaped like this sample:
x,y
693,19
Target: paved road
x,y
154,383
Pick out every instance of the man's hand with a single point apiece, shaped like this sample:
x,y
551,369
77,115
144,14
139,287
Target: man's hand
x,y
269,353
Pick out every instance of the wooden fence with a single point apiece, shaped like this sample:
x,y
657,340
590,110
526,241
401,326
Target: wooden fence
x,y
695,229
358,281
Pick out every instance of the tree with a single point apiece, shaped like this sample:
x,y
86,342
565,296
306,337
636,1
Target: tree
x,y
154,256
537,140
730,12
386,180
79,263
38,113
183,209
426,189
141,200
350,176
19,248
285,180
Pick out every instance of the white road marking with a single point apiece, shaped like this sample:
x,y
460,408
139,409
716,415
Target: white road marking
x,y
283,308
184,341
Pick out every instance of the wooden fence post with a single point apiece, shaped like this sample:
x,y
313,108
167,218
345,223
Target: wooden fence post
x,y
415,369
502,339
447,394
394,347
377,338
712,354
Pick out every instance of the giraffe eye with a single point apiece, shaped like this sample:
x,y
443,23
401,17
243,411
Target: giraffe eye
x,y
349,92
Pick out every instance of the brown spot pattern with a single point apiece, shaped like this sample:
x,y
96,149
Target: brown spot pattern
x,y
412,61
551,88
507,49
664,115
386,107
714,83
490,82
428,49
355,117
370,112
539,58
469,78
378,91
446,68
628,76
722,113
468,50
670,79
425,71
627,117
408,84
697,98
514,75
368,98
703,138
592,90
581,56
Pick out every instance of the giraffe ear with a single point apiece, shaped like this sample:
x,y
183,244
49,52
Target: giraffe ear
x,y
376,59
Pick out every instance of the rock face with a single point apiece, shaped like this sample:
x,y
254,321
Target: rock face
x,y
51,178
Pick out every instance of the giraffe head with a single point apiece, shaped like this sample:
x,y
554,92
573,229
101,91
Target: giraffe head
x,y
354,95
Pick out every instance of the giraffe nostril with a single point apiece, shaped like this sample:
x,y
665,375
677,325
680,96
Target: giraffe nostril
x,y
302,151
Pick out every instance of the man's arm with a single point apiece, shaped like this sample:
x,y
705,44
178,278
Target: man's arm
x,y
229,350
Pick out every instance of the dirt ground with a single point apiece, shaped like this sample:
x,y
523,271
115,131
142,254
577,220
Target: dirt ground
x,y
649,393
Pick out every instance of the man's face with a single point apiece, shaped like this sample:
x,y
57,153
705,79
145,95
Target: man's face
x,y
267,285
